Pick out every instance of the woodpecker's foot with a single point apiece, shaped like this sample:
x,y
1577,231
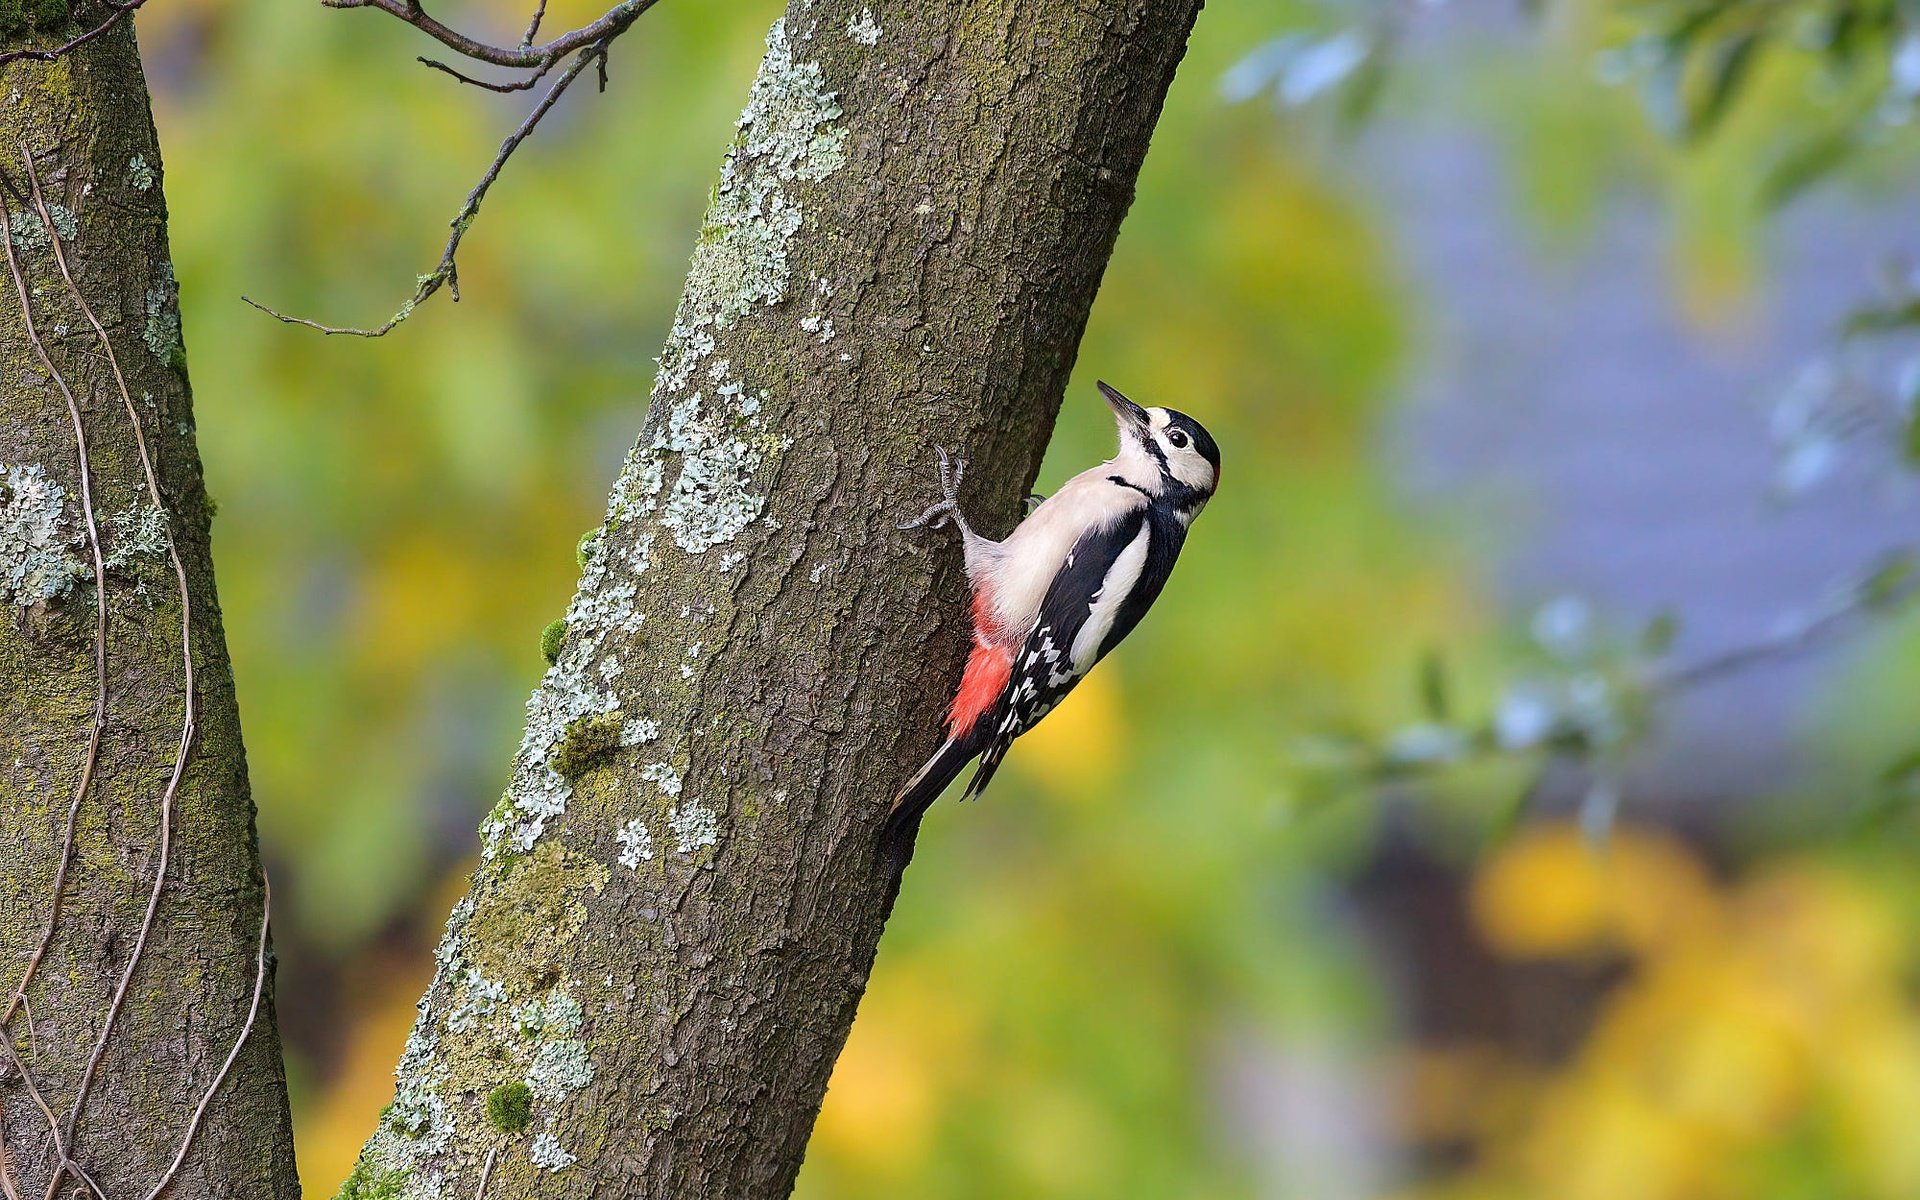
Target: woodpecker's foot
x,y
1034,500
952,471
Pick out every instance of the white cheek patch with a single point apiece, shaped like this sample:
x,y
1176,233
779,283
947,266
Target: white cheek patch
x,y
1189,468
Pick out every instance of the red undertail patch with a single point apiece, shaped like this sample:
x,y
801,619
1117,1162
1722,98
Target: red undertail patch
x,y
986,677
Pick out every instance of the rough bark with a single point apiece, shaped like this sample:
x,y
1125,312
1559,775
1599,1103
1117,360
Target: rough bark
x,y
190,985
660,955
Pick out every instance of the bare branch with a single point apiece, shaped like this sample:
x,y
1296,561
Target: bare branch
x,y
587,44
446,273
611,25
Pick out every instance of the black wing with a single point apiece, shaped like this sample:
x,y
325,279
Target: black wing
x,y
1044,670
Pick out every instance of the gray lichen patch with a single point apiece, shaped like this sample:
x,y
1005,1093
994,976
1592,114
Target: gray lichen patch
x,y
695,827
136,534
30,232
787,133
636,844
501,1036
549,1155
864,29
559,1069
162,330
64,222
713,500
140,173
38,556
788,136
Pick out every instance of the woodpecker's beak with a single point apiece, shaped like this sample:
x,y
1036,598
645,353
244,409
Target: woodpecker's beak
x,y
1133,419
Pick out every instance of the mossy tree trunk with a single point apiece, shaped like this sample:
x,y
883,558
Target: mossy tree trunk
x,y
660,955
102,593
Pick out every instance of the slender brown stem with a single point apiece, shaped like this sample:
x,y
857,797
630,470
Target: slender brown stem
x,y
93,537
189,718
518,85
486,1173
446,274
92,760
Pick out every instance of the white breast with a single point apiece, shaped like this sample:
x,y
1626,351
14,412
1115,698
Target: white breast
x,y
1023,566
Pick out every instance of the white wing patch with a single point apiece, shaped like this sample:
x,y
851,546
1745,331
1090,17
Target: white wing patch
x,y
1104,608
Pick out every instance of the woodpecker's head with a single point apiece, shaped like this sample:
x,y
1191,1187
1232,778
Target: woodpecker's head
x,y
1164,452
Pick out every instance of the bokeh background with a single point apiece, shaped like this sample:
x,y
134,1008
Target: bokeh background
x,y
1425,843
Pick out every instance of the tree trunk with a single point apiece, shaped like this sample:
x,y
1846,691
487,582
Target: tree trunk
x,y
127,1024
659,958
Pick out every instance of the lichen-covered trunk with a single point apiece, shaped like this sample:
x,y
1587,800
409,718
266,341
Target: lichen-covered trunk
x,y
644,991
142,1052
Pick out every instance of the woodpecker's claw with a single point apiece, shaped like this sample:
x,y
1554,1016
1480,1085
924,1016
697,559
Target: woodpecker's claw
x,y
952,471
934,518
1034,500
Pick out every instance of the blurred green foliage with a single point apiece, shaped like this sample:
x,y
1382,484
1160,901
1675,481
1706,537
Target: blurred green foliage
x,y
1078,960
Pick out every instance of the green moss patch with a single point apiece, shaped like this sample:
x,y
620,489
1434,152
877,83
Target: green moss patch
x,y
510,1107
587,741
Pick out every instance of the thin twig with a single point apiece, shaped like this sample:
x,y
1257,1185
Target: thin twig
x,y
446,273
189,718
113,18
33,1040
518,85
40,1101
533,26
1796,638
486,1173
246,1030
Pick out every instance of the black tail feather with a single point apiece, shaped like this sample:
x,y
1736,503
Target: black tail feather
x,y
983,775
924,788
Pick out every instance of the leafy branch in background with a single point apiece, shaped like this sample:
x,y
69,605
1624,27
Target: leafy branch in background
x,y
1586,696
577,49
1864,394
1690,62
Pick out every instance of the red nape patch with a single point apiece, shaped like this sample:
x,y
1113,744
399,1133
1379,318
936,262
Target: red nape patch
x,y
987,670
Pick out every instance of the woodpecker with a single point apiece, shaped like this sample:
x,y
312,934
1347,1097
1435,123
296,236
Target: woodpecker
x,y
1063,589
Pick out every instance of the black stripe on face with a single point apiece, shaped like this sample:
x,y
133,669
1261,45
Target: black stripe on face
x,y
1197,433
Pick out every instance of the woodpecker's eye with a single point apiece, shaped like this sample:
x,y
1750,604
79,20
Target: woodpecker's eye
x,y
1177,439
